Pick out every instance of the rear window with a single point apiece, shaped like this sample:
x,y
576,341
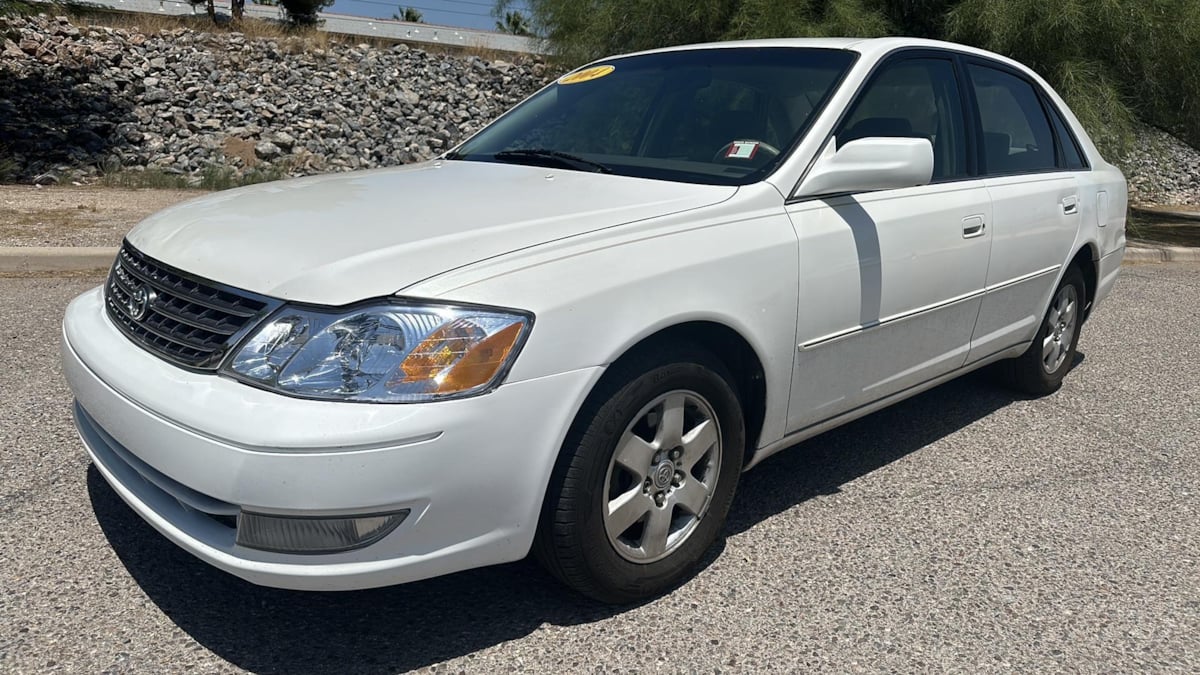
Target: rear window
x,y
1016,131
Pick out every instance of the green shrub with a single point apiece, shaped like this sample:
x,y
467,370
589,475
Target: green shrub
x,y
581,31
19,8
1116,62
217,177
262,174
1111,59
213,177
154,178
1098,103
304,12
8,169
807,18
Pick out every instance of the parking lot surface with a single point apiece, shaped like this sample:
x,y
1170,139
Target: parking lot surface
x,y
963,530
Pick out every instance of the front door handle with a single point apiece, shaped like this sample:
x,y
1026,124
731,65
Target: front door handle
x,y
972,227
1070,205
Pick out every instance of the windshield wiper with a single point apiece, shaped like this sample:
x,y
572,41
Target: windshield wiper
x,y
568,160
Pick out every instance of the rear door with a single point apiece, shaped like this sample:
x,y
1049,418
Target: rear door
x,y
1035,204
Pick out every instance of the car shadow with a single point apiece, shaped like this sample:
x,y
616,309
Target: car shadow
x,y
419,624
821,465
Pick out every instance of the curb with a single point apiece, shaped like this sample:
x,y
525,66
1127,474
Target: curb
x,y
21,259
1165,213
1139,251
1161,254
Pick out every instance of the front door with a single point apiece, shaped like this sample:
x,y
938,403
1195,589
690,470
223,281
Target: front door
x,y
891,281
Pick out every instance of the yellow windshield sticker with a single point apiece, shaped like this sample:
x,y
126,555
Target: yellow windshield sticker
x,y
586,74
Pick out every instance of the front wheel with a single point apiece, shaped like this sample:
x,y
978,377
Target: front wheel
x,y
1040,370
646,477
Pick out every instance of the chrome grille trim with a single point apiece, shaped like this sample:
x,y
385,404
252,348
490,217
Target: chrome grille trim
x,y
187,320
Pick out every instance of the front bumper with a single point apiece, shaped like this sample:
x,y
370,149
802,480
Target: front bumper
x,y
188,450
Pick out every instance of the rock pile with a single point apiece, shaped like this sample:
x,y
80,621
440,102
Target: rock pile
x,y
1162,170
75,100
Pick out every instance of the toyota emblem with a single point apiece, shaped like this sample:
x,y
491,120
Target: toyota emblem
x,y
139,302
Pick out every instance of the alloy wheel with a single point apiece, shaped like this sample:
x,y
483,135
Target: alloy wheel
x,y
1061,323
661,476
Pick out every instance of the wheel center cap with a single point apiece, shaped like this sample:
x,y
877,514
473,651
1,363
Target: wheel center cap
x,y
663,473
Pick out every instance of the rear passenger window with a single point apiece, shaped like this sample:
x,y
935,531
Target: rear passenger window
x,y
1016,132
1072,158
914,98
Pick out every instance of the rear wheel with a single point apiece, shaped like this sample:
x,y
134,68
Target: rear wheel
x,y
646,477
1040,370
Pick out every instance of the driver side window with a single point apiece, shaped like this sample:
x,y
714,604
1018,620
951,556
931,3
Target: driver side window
x,y
913,98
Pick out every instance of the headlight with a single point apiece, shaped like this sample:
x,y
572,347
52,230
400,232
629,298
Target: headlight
x,y
393,353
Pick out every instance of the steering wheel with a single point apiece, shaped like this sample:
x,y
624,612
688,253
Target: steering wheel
x,y
761,147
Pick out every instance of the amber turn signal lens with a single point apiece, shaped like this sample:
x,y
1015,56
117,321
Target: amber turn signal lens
x,y
481,362
442,349
456,363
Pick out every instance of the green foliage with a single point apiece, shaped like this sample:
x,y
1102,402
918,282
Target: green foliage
x,y
409,14
806,18
1116,62
212,177
1111,59
579,31
8,168
1098,103
221,177
515,23
19,8
148,178
304,12
918,18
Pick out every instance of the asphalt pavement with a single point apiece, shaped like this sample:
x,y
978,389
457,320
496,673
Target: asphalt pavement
x,y
964,530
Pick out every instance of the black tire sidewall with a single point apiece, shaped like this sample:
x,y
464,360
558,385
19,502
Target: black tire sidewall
x,y
1034,375
615,577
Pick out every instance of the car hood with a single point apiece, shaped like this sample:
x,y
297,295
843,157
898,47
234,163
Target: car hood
x,y
340,238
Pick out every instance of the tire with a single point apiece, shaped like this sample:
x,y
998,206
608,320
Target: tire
x,y
1040,370
656,450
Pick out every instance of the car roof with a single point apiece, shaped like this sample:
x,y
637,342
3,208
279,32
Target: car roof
x,y
873,48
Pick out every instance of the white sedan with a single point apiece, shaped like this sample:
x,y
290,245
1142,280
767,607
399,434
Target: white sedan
x,y
572,333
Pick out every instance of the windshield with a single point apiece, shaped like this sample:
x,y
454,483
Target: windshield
x,y
716,116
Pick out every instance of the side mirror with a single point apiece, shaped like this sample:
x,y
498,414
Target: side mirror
x,y
869,164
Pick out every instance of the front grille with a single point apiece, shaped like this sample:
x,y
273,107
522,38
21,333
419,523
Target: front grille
x,y
184,319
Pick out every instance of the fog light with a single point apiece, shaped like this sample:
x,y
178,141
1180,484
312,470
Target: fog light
x,y
283,534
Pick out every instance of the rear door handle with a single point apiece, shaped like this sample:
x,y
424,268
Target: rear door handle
x,y
1070,205
973,226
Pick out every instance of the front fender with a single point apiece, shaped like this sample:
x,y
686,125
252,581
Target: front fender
x,y
596,296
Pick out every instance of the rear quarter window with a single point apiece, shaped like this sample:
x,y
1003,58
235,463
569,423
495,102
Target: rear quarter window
x,y
1071,158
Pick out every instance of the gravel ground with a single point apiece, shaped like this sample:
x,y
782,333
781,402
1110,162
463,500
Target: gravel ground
x,y
77,216
963,530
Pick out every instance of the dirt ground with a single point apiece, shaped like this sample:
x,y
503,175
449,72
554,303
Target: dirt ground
x,y
77,216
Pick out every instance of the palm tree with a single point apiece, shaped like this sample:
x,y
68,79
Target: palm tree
x,y
515,23
409,14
